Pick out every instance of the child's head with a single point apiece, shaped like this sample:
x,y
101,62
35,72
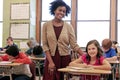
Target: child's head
x,y
29,44
106,44
115,44
32,43
9,41
12,51
97,45
37,50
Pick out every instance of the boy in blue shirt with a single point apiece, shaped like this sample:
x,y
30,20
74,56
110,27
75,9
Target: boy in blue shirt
x,y
109,53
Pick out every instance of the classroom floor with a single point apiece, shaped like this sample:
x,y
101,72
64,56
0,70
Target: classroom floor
x,y
37,78
74,78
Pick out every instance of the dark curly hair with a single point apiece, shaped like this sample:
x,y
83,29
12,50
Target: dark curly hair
x,y
12,51
37,50
100,52
55,4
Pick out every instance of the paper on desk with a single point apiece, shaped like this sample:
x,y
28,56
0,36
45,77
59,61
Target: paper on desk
x,y
5,62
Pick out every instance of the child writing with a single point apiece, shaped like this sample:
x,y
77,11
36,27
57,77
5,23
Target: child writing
x,y
93,58
110,54
21,72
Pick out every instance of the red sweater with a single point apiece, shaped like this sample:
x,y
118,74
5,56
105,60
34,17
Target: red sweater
x,y
21,58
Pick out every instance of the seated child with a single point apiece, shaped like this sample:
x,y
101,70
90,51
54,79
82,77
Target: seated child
x,y
93,59
110,54
115,45
21,72
38,52
31,44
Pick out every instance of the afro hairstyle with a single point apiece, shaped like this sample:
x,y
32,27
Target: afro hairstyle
x,y
57,3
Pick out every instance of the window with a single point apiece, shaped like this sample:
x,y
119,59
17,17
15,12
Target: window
x,y
93,20
1,22
87,31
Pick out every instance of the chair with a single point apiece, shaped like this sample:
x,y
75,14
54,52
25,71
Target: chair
x,y
33,70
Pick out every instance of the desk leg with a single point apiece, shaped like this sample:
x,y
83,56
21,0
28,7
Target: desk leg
x,y
66,76
10,77
104,76
113,74
38,67
119,70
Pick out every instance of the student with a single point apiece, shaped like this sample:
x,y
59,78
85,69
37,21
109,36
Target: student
x,y
30,50
38,52
109,53
115,45
57,38
31,44
10,42
21,72
93,59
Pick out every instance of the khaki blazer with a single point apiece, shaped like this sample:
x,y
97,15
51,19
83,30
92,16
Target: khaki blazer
x,y
65,42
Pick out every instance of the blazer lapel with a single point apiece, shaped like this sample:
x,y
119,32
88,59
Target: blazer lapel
x,y
52,31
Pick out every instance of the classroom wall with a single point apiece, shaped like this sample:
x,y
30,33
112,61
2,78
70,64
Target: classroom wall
x,y
7,21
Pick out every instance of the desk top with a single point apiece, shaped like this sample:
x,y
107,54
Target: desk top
x,y
2,52
10,64
114,62
85,71
37,58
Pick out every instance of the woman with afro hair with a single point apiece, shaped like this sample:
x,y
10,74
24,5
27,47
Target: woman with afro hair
x,y
58,39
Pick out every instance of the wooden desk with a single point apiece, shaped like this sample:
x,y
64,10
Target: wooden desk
x,y
2,52
83,71
7,68
37,58
115,64
10,64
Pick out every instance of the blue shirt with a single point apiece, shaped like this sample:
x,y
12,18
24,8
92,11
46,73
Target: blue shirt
x,y
110,53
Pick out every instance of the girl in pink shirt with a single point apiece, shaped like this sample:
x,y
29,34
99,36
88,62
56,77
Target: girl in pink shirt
x,y
93,59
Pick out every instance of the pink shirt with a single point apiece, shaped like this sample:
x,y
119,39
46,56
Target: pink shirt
x,y
97,62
